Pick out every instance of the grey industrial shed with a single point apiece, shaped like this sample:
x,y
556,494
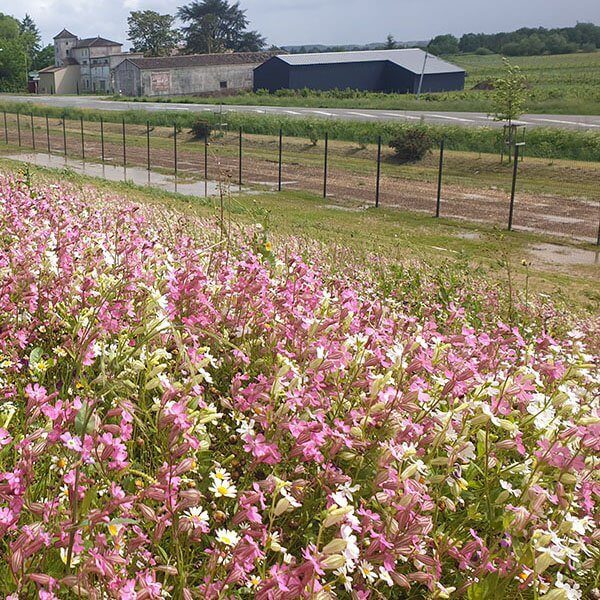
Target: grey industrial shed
x,y
371,70
187,74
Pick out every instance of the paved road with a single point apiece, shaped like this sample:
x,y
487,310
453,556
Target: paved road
x,y
466,119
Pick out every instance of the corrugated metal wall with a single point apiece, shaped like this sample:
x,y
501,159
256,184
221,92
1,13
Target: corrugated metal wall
x,y
377,76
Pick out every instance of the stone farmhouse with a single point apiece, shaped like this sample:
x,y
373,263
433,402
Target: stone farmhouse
x,y
81,65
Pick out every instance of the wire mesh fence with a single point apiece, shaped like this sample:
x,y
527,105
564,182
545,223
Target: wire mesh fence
x,y
548,196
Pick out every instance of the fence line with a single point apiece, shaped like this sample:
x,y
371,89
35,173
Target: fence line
x,y
441,167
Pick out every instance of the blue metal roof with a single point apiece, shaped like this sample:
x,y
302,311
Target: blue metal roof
x,y
411,59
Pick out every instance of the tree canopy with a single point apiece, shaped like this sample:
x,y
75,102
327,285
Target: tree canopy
x,y
444,44
390,43
535,41
44,58
152,33
214,26
31,38
14,60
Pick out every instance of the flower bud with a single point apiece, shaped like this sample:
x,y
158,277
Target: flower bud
x,y
282,506
335,546
335,561
336,515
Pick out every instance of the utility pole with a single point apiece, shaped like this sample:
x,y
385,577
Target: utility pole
x,y
422,73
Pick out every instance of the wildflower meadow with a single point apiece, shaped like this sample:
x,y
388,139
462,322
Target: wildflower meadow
x,y
195,410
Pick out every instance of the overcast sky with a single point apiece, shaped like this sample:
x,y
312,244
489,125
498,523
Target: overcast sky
x,y
321,21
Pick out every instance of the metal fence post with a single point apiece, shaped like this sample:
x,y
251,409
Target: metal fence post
x,y
82,139
124,148
5,128
102,137
175,147
326,164
241,156
206,158
19,127
378,172
148,145
47,133
440,176
32,131
514,185
64,135
280,158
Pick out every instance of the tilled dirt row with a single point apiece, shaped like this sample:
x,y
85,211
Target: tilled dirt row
x,y
574,217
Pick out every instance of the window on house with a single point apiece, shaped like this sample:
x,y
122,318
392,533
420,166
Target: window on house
x,y
223,85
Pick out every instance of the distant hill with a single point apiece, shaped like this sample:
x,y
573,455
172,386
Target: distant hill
x,y
309,48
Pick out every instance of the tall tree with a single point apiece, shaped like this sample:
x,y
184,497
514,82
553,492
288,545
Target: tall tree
x,y
13,56
31,37
214,26
152,33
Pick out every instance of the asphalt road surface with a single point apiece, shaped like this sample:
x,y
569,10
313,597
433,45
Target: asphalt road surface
x,y
465,119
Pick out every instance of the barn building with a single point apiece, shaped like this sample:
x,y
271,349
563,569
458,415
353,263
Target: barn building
x,y
392,71
187,74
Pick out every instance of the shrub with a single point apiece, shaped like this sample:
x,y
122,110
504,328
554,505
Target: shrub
x,y
483,52
312,134
412,145
201,129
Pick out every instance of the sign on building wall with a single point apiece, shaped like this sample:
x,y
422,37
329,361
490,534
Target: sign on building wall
x,y
161,81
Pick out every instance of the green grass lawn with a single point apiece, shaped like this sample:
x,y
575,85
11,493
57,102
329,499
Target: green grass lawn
x,y
400,236
560,84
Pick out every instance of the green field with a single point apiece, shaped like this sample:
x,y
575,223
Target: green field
x,y
560,84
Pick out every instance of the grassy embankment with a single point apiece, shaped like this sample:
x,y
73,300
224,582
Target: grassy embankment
x,y
560,84
409,239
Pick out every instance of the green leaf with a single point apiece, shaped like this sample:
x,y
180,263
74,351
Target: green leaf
x,y
35,357
83,420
